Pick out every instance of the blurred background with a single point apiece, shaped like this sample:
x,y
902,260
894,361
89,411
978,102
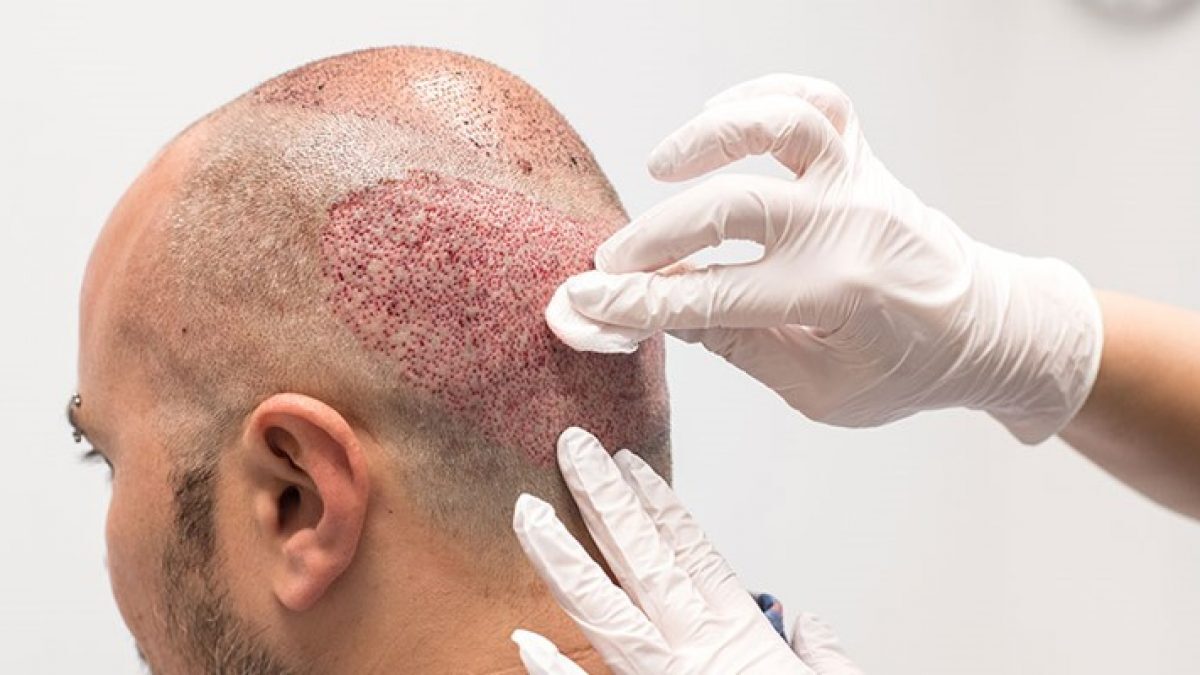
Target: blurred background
x,y
937,545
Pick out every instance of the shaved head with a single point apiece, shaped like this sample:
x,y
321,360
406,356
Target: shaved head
x,y
384,229
379,231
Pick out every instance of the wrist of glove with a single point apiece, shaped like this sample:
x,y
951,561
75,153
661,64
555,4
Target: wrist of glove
x,y
1042,354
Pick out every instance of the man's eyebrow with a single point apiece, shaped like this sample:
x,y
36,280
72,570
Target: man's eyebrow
x,y
77,431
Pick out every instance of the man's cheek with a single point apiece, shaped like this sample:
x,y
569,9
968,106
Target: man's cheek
x,y
120,572
132,565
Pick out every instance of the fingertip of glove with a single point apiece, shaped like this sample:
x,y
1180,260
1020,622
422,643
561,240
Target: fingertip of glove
x,y
637,473
812,634
666,165
659,165
522,637
530,512
532,645
572,435
628,461
574,444
629,465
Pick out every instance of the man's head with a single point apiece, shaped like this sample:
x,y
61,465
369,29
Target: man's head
x,y
312,348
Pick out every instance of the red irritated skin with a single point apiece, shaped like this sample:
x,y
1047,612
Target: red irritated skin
x,y
448,278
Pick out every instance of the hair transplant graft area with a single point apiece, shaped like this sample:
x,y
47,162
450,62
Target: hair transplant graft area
x,y
447,277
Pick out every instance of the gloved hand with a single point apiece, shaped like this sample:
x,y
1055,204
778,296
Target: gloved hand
x,y
683,609
812,640
866,306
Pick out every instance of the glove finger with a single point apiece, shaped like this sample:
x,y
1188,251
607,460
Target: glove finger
x,y
816,645
643,563
724,207
625,639
541,656
709,570
822,94
795,132
727,296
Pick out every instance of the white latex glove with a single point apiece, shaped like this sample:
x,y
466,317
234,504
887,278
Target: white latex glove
x,y
683,609
867,305
541,657
814,642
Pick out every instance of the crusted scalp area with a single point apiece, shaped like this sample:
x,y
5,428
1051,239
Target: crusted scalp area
x,y
448,278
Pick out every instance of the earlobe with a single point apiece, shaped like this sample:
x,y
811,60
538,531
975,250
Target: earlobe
x,y
312,491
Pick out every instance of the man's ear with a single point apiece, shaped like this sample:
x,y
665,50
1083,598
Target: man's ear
x,y
308,475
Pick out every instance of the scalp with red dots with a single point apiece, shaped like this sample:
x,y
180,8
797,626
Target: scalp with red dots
x,y
403,216
448,277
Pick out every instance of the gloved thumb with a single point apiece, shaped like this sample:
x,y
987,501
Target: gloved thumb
x,y
816,645
541,657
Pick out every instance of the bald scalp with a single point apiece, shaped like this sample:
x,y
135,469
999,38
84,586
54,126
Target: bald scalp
x,y
381,230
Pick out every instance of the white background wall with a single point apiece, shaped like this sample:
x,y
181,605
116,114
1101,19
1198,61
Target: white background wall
x,y
937,545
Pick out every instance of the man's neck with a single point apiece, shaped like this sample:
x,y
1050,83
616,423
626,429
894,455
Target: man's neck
x,y
417,601
430,610
475,637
